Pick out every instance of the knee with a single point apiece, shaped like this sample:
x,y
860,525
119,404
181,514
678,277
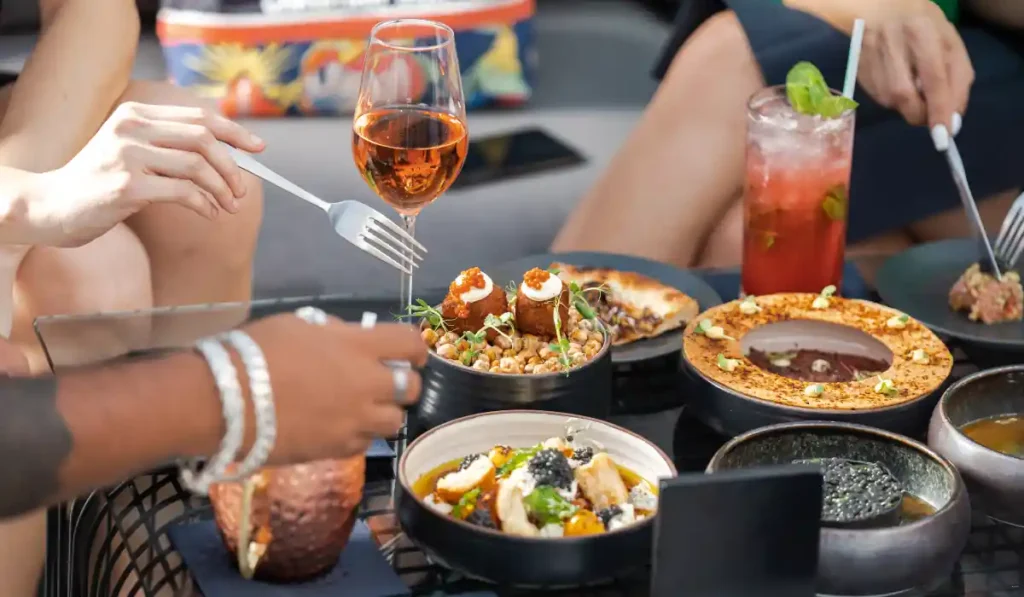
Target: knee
x,y
718,48
724,245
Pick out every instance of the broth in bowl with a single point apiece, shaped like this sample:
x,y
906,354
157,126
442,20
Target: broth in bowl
x,y
1004,434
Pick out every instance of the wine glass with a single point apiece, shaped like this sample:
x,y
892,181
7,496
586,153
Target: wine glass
x,y
409,134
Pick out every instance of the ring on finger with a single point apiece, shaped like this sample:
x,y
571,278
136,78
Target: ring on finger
x,y
311,315
400,378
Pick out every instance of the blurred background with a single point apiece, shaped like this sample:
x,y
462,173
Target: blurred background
x,y
586,65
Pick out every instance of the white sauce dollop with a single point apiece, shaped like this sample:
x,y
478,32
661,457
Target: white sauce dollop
x,y
552,531
626,517
441,507
476,294
643,498
551,288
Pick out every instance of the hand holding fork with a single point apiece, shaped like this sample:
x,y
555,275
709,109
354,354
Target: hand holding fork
x,y
356,222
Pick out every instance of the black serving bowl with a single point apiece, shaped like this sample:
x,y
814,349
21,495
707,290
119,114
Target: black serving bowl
x,y
874,561
517,561
995,480
451,390
730,413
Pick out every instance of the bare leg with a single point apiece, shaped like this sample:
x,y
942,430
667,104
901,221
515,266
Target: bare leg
x,y
682,166
196,260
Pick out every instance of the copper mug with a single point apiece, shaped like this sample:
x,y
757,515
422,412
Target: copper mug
x,y
292,522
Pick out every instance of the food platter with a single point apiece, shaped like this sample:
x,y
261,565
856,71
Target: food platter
x,y
790,356
918,282
682,281
490,551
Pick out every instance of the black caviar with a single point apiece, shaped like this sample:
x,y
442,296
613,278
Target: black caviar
x,y
583,455
481,517
551,467
608,514
468,461
857,491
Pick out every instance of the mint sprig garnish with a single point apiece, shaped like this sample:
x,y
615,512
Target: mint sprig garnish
x,y
809,94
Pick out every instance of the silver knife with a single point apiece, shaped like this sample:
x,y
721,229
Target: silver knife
x,y
956,165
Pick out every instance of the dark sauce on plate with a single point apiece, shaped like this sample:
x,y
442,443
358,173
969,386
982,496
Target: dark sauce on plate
x,y
817,366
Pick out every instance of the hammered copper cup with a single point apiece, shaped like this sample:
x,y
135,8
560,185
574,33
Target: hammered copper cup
x,y
300,518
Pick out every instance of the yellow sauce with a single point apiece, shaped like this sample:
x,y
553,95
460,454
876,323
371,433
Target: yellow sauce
x,y
1004,434
914,508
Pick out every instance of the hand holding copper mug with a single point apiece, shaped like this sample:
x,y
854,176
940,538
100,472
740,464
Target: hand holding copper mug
x,y
291,523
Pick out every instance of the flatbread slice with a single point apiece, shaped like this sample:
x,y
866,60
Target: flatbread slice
x,y
633,305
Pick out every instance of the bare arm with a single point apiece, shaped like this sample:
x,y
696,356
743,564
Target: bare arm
x,y
62,436
1005,13
71,82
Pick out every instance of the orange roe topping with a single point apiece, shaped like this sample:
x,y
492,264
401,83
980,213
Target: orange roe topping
x,y
535,278
467,280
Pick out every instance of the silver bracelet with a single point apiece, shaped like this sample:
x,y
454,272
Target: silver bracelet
x,y
233,407
262,395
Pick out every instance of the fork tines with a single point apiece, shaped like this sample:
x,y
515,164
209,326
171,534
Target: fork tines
x,y
389,243
1010,243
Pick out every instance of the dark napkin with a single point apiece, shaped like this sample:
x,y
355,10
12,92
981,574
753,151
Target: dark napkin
x,y
361,571
726,283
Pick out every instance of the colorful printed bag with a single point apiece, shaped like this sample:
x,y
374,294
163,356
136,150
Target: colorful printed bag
x,y
305,57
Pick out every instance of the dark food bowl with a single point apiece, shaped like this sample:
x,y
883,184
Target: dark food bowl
x,y
452,390
516,561
731,413
881,560
995,480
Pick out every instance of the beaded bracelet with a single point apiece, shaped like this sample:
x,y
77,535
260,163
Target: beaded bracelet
x,y
233,407
262,395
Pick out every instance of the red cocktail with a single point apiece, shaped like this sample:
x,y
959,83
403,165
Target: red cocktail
x,y
796,196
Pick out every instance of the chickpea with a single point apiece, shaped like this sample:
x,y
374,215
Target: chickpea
x,y
545,352
528,354
462,345
481,365
503,342
592,346
493,353
450,337
508,365
579,358
448,351
573,346
585,325
531,341
596,336
578,336
529,368
537,369
535,360
495,369
508,353
430,336
517,344
553,363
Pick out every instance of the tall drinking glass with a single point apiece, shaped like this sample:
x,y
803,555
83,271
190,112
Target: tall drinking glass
x,y
796,196
409,134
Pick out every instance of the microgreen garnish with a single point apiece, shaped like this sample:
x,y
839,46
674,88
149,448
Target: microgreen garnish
x,y
814,390
768,239
554,271
578,299
822,300
424,311
835,202
475,340
809,94
726,364
511,291
496,322
709,329
920,357
885,386
749,306
561,343
898,322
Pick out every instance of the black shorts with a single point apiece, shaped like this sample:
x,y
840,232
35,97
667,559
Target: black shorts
x,y
898,177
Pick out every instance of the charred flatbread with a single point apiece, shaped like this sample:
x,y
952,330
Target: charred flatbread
x,y
632,305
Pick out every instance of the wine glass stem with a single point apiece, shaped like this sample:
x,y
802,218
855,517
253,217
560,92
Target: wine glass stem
x,y
409,223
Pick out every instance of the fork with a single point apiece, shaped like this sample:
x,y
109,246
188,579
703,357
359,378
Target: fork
x,y
1010,242
359,224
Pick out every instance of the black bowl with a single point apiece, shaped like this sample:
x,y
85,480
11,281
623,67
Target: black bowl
x,y
995,480
516,561
875,561
452,391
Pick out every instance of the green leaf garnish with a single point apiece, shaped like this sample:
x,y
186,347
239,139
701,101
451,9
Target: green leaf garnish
x,y
547,506
466,502
835,202
768,239
809,94
519,458
554,271
427,313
